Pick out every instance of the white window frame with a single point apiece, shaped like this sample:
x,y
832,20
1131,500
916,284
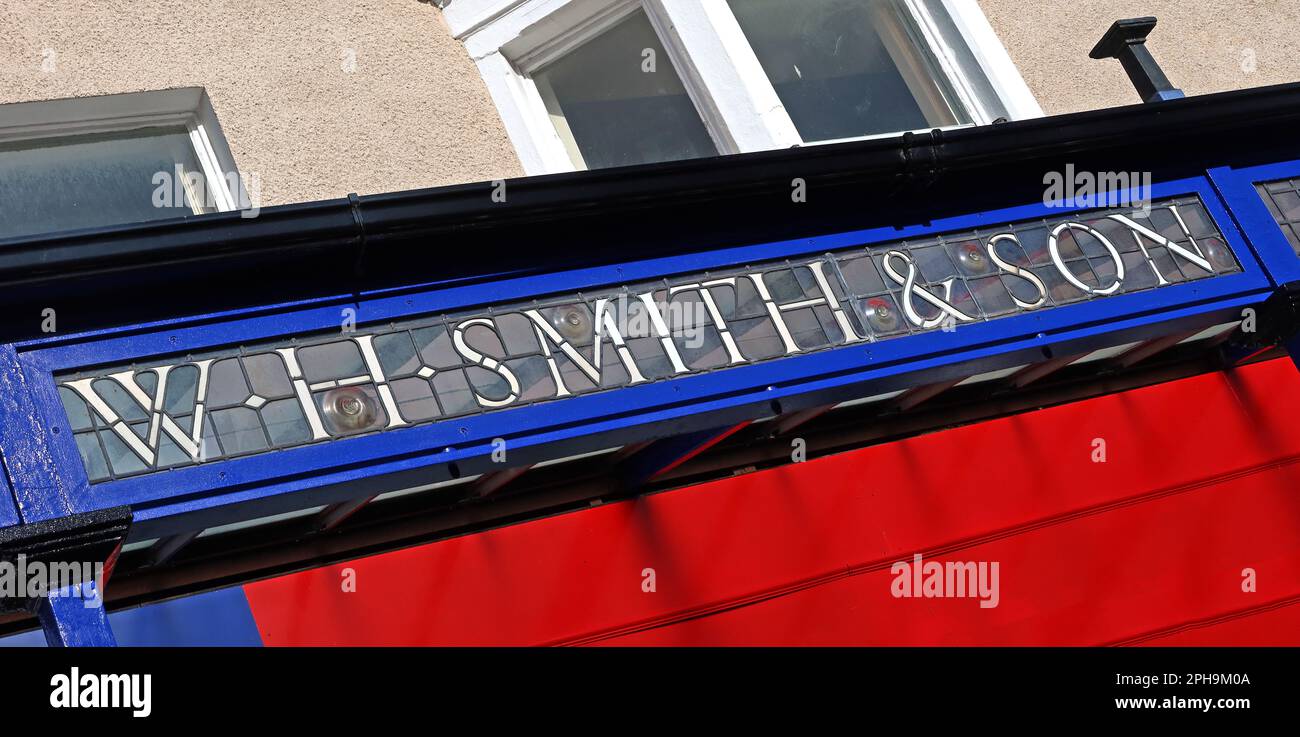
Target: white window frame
x,y
186,106
508,39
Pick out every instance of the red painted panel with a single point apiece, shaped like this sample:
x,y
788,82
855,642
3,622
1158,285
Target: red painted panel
x,y
1270,626
1092,580
1022,482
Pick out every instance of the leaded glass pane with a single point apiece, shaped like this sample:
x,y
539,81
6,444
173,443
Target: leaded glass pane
x,y
285,422
1283,200
338,360
268,375
226,384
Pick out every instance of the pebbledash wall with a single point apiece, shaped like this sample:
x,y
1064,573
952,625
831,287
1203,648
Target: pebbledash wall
x,y
1203,46
318,98
324,98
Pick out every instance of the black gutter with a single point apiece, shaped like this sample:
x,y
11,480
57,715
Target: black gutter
x,y
122,274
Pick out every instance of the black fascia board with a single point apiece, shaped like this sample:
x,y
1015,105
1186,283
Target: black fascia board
x,y
195,265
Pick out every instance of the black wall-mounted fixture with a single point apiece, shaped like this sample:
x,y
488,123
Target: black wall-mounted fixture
x,y
1126,40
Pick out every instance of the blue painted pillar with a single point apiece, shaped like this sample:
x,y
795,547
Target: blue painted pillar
x,y
8,501
75,617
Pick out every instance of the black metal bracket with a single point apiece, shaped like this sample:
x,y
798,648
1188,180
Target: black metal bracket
x,y
1126,40
354,204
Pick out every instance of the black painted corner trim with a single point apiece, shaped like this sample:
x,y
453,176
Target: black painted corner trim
x,y
90,537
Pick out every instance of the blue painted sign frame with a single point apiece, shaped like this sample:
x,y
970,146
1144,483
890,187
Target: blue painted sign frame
x,y
218,492
1236,185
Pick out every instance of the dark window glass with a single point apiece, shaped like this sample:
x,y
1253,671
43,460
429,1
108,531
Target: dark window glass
x,y
95,180
612,110
846,68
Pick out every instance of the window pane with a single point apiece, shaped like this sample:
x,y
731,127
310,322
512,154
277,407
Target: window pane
x,y
614,113
845,68
93,180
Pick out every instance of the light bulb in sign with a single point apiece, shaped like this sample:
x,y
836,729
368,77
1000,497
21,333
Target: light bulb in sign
x,y
349,409
572,322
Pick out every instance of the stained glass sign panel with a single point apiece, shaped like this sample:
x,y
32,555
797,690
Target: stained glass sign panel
x,y
257,398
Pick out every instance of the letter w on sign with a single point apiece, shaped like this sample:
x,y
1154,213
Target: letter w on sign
x,y
159,421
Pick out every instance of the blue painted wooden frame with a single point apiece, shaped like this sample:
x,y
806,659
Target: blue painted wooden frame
x,y
36,477
221,491
1237,188
76,618
8,502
